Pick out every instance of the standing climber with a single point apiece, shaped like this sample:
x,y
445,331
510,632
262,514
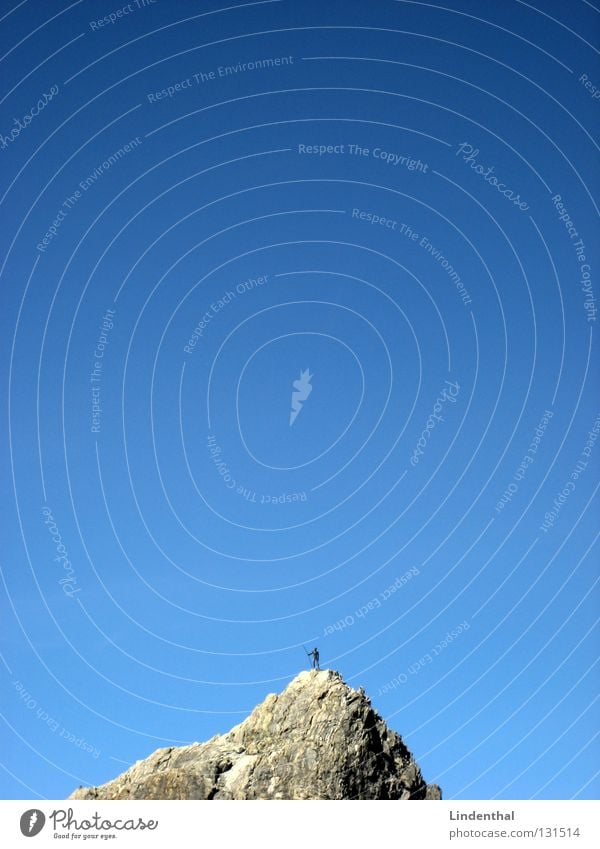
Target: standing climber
x,y
315,657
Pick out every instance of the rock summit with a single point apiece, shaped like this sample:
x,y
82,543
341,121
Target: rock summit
x,y
318,739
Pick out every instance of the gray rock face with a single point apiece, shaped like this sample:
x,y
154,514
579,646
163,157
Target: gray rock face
x,y
318,739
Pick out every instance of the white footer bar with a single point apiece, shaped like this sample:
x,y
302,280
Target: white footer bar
x,y
301,825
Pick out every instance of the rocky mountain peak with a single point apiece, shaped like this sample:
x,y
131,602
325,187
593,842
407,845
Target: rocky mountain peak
x,y
318,739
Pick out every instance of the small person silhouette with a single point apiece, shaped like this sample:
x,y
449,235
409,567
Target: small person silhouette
x,y
315,657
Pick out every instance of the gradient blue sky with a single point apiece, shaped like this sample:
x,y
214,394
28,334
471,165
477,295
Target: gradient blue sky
x,y
191,591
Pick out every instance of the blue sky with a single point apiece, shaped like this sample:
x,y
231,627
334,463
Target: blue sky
x,y
200,205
